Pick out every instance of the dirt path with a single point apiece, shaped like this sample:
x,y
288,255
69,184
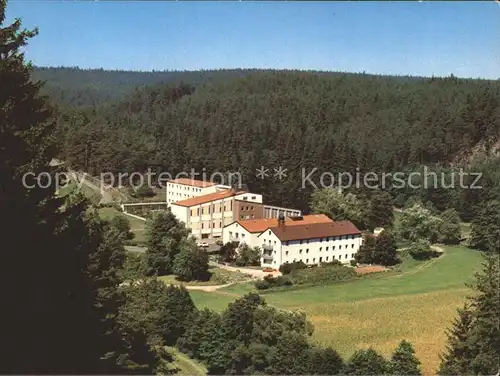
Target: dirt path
x,y
209,288
257,273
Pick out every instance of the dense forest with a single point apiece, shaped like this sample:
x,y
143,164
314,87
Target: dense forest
x,y
241,120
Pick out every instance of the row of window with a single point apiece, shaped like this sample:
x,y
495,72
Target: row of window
x,y
236,235
184,187
330,238
326,248
208,209
213,225
326,259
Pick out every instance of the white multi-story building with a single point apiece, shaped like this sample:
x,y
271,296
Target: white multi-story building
x,y
310,243
248,231
207,215
184,188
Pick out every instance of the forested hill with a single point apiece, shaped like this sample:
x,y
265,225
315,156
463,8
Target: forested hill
x,y
88,87
290,119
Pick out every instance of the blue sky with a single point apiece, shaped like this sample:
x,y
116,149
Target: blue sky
x,y
417,38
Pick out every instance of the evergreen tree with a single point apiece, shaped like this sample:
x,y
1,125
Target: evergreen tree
x,y
474,340
385,249
449,230
366,253
485,228
325,362
459,354
52,324
404,361
366,362
380,213
164,237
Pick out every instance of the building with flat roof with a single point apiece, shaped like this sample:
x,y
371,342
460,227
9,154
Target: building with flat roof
x,y
185,188
207,215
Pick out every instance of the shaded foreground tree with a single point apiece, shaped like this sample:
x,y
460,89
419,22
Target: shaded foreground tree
x,y
50,325
59,275
164,237
191,263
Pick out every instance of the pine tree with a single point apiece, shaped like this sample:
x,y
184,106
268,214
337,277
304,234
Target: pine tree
x,y
404,361
458,354
385,249
49,326
366,362
474,340
449,229
366,252
485,228
380,213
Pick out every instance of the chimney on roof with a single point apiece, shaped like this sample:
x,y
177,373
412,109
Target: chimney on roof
x,y
281,220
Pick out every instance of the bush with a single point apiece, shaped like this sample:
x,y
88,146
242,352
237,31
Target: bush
x,y
288,268
422,250
334,263
322,275
269,282
262,285
354,263
143,191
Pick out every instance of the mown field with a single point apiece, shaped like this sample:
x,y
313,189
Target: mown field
x,y
137,227
218,276
416,303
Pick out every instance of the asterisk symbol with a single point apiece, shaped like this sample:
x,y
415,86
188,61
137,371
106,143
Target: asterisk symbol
x,y
262,172
280,172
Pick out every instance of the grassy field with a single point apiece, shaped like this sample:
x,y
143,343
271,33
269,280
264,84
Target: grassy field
x,y
185,365
416,303
137,226
219,277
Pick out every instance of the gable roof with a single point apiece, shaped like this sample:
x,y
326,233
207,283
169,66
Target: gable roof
x,y
259,225
314,230
192,182
206,198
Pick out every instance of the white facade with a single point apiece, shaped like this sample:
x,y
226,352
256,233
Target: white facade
x,y
309,251
236,232
182,189
207,216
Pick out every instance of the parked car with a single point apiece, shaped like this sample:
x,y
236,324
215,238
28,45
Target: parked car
x,y
202,244
219,243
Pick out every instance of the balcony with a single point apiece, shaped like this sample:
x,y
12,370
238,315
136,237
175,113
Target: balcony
x,y
267,247
267,256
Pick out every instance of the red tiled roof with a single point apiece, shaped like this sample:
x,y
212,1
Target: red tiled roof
x,y
259,225
192,182
315,230
207,198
